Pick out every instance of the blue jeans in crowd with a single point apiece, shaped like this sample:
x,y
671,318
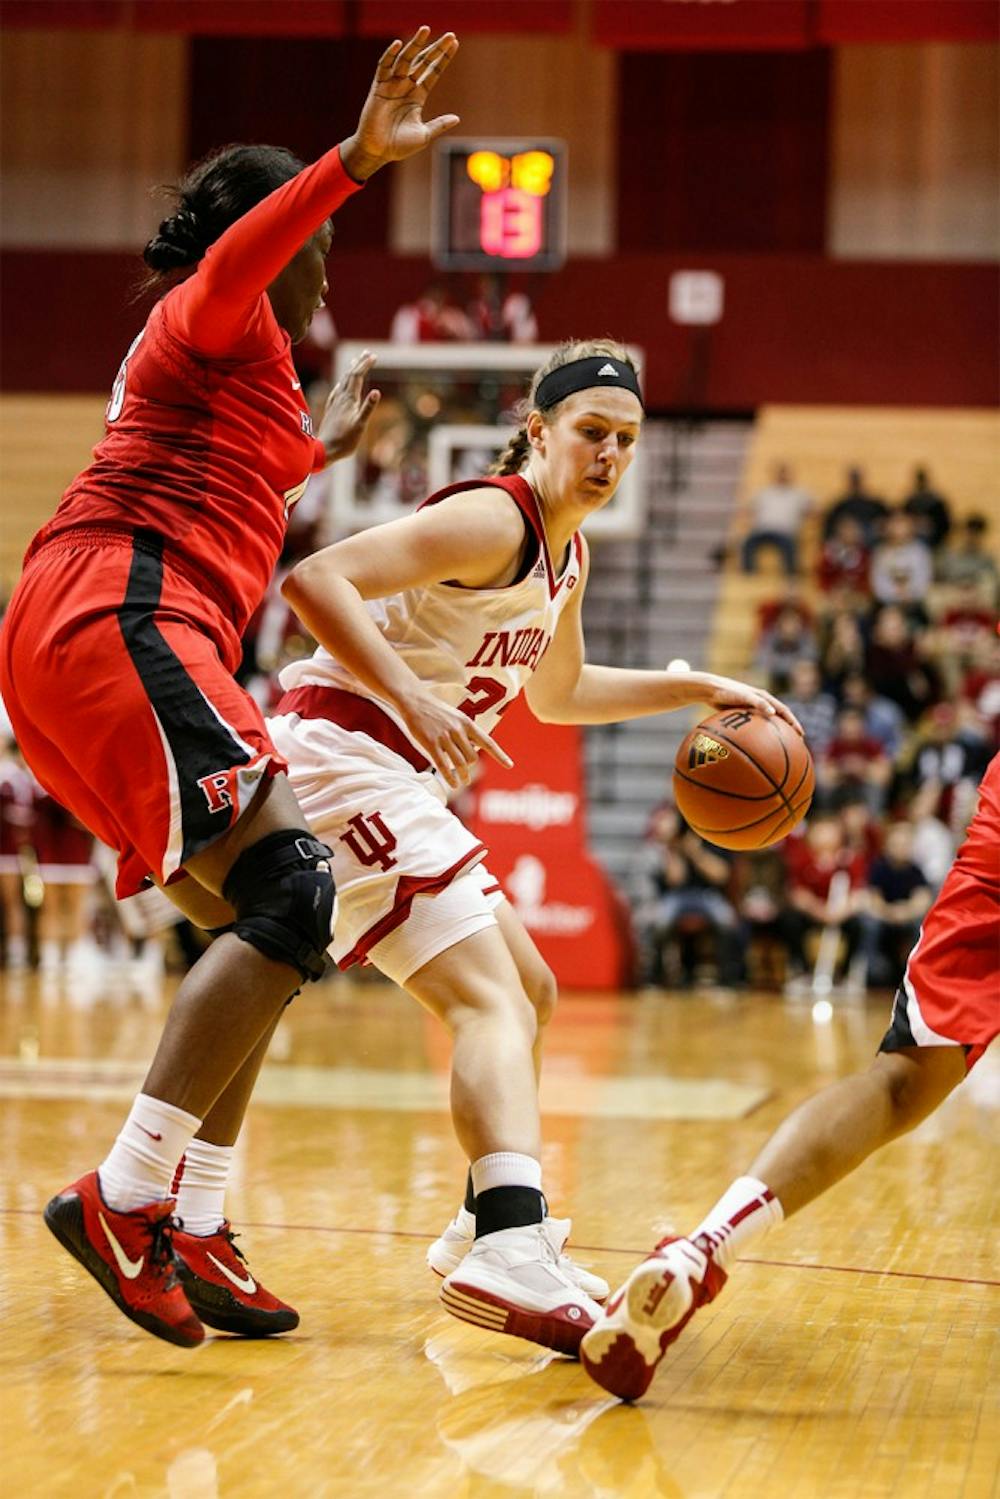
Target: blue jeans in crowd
x,y
787,546
721,917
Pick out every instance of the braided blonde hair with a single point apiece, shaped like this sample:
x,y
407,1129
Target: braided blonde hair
x,y
515,455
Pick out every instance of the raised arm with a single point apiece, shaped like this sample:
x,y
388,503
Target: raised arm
x,y
216,308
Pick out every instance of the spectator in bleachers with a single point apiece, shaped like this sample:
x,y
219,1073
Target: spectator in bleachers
x,y
690,879
791,598
862,832
843,648
968,557
895,902
65,850
788,641
814,860
867,509
897,667
934,846
760,885
778,510
980,689
500,316
928,510
855,760
18,790
884,719
432,318
844,559
762,881
815,709
943,767
964,630
902,566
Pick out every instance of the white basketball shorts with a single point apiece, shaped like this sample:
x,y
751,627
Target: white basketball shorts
x,y
410,877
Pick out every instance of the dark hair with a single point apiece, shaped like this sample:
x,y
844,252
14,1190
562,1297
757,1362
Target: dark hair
x,y
512,459
214,193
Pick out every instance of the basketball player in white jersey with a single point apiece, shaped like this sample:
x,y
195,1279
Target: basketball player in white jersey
x,y
429,626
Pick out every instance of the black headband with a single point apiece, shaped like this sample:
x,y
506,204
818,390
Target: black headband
x,y
585,374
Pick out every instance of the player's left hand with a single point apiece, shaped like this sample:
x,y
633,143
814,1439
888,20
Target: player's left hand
x,y
347,410
726,692
391,126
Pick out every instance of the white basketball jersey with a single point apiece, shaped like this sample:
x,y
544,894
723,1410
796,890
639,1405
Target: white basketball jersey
x,y
476,647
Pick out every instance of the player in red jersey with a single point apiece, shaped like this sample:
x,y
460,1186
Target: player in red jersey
x,y
946,1013
117,660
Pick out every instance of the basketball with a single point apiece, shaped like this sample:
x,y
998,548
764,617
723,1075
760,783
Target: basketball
x,y
743,779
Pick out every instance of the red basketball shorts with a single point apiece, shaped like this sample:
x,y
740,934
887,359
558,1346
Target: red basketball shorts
x,y
116,670
950,994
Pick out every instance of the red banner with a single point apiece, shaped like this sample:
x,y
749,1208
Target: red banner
x,y
695,25
752,25
401,18
533,821
191,17
907,21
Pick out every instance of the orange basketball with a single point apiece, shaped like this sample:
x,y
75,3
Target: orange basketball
x,y
743,779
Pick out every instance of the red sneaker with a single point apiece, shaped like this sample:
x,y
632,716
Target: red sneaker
x,y
129,1255
649,1312
220,1287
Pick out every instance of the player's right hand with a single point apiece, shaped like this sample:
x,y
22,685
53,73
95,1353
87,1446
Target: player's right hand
x,y
391,126
451,741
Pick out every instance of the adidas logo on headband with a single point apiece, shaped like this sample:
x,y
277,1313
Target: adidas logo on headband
x,y
583,374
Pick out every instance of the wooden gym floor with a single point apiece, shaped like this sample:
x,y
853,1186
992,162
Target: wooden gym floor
x,y
856,1354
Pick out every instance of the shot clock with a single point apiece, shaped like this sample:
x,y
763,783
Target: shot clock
x,y
499,205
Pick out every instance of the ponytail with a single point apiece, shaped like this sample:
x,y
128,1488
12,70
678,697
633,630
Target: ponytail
x,y
217,191
178,242
514,456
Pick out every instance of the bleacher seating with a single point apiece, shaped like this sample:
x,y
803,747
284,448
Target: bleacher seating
x,y
959,448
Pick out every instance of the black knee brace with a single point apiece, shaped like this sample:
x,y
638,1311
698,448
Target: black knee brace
x,y
282,891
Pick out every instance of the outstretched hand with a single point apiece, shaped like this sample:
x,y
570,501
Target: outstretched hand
x,y
347,410
392,126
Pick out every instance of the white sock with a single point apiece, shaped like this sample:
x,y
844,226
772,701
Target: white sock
x,y
506,1169
203,1178
743,1213
140,1165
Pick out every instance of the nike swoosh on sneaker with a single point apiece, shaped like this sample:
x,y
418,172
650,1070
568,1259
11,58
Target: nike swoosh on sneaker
x,y
129,1268
247,1284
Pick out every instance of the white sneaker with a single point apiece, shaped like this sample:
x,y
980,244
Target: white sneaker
x,y
648,1313
512,1281
447,1252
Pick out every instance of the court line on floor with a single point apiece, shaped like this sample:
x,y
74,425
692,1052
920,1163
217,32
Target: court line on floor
x,y
638,1254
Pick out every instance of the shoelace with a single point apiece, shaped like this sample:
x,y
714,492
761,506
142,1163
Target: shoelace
x,y
230,1239
161,1252
549,1251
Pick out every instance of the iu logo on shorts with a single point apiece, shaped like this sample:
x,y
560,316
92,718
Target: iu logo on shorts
x,y
370,841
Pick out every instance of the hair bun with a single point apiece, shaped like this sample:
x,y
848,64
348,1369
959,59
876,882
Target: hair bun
x,y
177,242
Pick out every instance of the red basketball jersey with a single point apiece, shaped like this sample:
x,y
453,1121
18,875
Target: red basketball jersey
x,y
208,439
